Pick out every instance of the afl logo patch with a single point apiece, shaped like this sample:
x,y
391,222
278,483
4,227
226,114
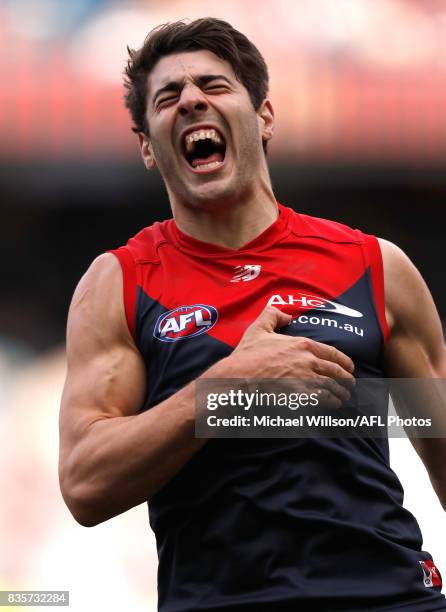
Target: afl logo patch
x,y
185,322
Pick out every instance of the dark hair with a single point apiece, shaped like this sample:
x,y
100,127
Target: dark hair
x,y
210,34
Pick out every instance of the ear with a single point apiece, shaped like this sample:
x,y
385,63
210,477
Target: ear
x,y
266,119
146,151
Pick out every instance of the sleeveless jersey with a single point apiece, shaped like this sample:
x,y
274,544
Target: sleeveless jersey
x,y
308,524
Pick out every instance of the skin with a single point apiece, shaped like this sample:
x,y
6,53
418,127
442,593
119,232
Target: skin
x,y
415,349
112,457
227,207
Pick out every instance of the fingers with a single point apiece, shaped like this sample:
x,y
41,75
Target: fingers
x,y
270,318
334,356
335,371
327,399
329,391
335,387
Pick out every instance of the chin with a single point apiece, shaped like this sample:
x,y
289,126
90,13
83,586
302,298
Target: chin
x,y
211,196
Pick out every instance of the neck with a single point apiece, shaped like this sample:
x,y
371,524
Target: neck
x,y
231,225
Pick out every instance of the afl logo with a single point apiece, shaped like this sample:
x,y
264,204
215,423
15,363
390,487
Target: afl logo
x,y
185,322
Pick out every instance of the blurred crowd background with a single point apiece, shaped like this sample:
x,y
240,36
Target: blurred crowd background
x,y
359,90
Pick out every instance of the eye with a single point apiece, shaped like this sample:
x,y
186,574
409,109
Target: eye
x,y
167,101
221,87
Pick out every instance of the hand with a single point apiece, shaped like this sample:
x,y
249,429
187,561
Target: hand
x,y
262,353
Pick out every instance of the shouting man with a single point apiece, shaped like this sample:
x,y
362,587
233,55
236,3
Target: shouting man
x,y
234,286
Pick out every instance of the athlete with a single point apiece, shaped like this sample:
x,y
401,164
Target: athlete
x,y
235,286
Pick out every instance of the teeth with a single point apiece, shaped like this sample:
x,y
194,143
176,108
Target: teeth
x,y
193,137
210,165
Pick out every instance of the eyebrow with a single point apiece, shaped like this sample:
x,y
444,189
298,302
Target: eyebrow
x,y
177,86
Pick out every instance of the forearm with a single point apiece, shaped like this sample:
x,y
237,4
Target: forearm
x,y
425,398
432,452
121,462
439,485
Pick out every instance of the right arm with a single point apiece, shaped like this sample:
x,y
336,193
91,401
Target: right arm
x,y
112,456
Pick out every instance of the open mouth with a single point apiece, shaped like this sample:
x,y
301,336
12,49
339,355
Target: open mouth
x,y
204,149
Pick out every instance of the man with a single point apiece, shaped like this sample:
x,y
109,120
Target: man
x,y
221,291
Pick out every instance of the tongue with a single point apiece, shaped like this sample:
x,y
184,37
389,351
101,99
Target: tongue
x,y
199,161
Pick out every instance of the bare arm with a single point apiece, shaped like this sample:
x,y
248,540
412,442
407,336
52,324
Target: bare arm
x,y
415,349
113,457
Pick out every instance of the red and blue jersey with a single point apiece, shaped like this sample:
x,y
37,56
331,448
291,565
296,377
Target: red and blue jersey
x,y
273,524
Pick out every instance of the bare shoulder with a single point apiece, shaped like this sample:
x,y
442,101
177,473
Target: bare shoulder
x,y
416,342
398,268
104,268
97,307
403,283
103,276
101,283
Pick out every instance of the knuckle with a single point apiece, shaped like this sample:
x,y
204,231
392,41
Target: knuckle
x,y
313,363
304,343
330,383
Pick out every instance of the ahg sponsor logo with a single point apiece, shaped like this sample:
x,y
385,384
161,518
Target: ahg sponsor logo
x,y
325,321
185,322
312,302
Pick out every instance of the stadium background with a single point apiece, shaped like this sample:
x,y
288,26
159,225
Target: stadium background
x,y
359,89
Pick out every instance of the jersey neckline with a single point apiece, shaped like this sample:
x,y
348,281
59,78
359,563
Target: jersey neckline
x,y
272,234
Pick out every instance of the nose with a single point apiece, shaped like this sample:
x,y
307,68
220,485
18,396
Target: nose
x,y
192,99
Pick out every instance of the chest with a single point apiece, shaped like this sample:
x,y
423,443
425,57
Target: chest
x,y
192,312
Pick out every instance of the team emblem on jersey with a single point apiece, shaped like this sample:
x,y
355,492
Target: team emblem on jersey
x,y
185,322
245,273
431,576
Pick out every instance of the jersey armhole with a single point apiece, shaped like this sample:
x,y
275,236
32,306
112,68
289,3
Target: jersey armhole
x,y
129,284
375,263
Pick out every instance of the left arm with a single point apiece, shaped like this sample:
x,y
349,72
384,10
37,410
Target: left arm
x,y
415,348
